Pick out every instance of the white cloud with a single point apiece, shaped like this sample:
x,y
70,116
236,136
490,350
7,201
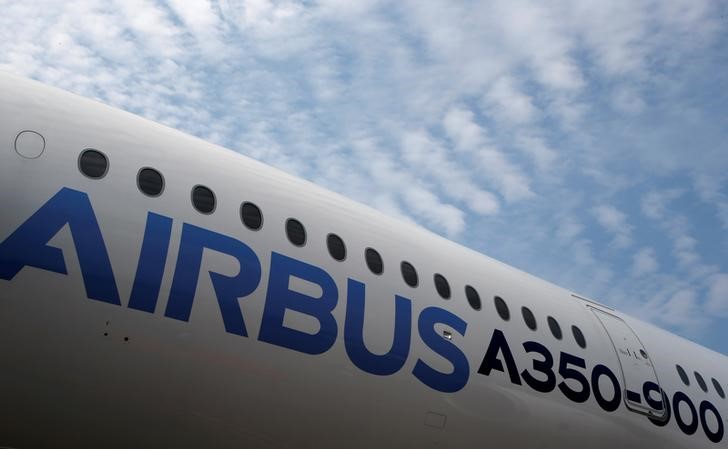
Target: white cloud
x,y
462,129
425,204
470,137
614,221
644,262
415,196
275,29
709,190
431,161
683,310
152,26
505,101
717,303
202,22
655,202
535,33
569,229
677,227
685,249
617,32
544,157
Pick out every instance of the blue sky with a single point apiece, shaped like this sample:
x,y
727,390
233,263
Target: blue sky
x,y
583,141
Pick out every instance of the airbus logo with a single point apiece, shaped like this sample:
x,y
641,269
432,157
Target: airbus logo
x,y
28,246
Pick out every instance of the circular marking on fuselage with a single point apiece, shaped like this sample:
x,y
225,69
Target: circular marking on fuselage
x,y
29,144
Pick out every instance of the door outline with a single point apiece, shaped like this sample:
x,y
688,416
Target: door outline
x,y
628,396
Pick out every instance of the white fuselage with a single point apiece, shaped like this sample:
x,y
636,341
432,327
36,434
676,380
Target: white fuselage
x,y
242,339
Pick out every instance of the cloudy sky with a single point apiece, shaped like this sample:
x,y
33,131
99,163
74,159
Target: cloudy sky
x,y
583,141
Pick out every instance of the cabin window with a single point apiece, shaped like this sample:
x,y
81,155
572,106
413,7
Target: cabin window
x,y
150,182
442,286
683,375
251,216
502,308
580,340
203,199
718,388
528,318
555,328
295,232
374,261
409,274
336,247
473,297
701,381
93,164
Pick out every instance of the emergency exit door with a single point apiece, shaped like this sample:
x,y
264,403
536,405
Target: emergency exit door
x,y
637,368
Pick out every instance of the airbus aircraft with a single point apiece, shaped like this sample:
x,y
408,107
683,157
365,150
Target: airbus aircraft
x,y
160,291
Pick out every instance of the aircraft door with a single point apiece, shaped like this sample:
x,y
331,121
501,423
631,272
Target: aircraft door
x,y
637,368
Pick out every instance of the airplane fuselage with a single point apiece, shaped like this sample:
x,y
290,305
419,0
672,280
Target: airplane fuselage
x,y
136,320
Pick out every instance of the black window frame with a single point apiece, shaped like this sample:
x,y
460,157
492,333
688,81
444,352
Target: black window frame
x,y
243,215
341,245
502,308
442,286
529,318
161,178
409,275
289,231
473,297
683,375
701,381
555,328
107,162
578,336
194,203
718,387
372,257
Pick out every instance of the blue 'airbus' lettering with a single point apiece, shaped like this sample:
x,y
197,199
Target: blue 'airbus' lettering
x,y
280,298
383,364
227,289
28,246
